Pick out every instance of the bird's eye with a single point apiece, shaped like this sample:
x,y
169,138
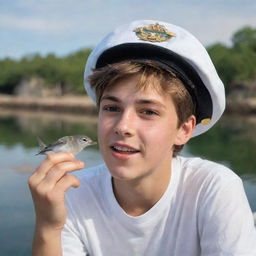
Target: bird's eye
x,y
84,139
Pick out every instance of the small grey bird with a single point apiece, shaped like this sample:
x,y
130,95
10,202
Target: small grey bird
x,y
73,144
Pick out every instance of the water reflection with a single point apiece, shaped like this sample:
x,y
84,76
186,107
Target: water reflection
x,y
232,141
18,146
24,127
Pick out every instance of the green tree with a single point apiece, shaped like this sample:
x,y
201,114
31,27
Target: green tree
x,y
66,72
236,64
245,37
225,63
11,73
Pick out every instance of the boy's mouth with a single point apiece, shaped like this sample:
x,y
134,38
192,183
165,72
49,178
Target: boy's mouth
x,y
123,149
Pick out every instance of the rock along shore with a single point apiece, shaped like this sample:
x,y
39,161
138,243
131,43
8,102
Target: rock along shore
x,y
63,104
242,106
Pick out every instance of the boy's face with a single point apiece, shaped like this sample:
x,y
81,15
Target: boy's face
x,y
137,130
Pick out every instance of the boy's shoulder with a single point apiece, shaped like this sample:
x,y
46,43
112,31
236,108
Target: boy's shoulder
x,y
204,171
204,181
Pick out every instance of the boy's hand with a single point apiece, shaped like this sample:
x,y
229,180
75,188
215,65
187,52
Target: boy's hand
x,y
48,185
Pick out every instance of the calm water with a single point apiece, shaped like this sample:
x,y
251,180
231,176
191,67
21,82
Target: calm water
x,y
231,142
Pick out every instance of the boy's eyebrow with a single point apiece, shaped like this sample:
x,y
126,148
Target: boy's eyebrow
x,y
111,98
149,102
139,101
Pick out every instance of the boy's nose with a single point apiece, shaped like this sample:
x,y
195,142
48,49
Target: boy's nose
x,y
125,125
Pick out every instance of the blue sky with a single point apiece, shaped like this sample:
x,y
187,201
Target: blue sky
x,y
65,26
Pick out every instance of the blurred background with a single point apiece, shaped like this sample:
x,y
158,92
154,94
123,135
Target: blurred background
x,y
44,45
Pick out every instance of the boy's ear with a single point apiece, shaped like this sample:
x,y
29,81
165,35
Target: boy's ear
x,y
185,131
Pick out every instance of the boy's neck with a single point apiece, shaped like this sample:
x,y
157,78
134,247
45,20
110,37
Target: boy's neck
x,y
137,197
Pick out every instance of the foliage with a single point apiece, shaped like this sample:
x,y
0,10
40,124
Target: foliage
x,y
235,64
10,74
245,37
65,71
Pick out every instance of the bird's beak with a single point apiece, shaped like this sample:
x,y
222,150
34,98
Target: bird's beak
x,y
93,143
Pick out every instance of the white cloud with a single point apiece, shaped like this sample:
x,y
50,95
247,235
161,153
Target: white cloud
x,y
67,24
33,24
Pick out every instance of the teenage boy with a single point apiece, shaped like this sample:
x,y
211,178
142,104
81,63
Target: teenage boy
x,y
155,87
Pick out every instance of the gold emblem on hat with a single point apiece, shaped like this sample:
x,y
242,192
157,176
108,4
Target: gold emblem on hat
x,y
206,121
154,33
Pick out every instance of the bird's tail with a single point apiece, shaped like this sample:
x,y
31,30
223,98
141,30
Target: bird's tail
x,y
42,145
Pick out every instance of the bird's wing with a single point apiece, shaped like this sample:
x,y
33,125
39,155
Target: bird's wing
x,y
54,144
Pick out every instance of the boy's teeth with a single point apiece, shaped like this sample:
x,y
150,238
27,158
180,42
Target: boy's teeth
x,y
124,149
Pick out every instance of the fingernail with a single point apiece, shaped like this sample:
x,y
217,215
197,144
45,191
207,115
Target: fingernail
x,y
81,163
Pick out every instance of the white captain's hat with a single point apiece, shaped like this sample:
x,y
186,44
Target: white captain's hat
x,y
174,49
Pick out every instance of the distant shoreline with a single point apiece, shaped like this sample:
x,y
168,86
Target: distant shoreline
x,y
64,104
242,106
74,104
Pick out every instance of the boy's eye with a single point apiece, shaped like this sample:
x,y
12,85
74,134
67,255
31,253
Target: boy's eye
x,y
111,108
149,112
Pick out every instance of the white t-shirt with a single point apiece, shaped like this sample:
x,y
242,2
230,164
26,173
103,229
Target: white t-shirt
x,y
204,211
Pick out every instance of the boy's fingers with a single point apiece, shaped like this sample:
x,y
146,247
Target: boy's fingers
x,y
65,183
47,164
53,159
57,172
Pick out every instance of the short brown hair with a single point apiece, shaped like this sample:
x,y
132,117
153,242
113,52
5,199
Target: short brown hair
x,y
152,75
